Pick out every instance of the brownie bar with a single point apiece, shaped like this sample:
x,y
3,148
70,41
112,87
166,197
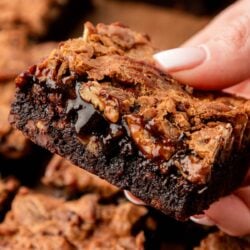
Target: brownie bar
x,y
219,241
63,175
100,102
38,221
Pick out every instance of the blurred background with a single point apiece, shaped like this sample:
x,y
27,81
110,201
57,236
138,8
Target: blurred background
x,y
29,30
168,22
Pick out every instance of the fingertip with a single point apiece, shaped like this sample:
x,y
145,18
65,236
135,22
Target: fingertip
x,y
179,59
231,215
182,64
202,220
192,66
132,198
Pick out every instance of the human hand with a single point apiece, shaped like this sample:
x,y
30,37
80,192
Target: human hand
x,y
231,213
218,57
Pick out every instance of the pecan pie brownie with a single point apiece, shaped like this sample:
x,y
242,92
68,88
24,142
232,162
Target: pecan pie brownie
x,y
38,221
100,102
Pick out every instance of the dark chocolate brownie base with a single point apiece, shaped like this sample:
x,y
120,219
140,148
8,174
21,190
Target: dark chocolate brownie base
x,y
100,102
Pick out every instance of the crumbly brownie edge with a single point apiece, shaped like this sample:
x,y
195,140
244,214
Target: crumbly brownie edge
x,y
171,193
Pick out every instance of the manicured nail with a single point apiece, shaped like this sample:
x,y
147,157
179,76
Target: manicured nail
x,y
181,58
133,199
202,219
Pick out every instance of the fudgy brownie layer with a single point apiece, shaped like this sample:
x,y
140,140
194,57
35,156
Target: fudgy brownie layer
x,y
100,102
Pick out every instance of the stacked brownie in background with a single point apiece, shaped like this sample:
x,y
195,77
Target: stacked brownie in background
x,y
97,219
41,19
17,154
73,181
65,207
20,20
16,54
34,16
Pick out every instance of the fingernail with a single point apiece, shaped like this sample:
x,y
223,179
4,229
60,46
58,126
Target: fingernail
x,y
181,58
202,219
133,199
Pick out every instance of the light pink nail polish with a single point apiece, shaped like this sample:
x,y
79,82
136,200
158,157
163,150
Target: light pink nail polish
x,y
202,219
181,58
133,199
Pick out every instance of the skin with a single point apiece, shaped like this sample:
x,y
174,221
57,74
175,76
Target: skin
x,y
226,41
232,213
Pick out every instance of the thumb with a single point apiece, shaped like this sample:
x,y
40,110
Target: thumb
x,y
217,63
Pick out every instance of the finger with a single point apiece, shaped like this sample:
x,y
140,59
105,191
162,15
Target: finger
x,y
242,89
217,25
246,182
231,214
203,220
216,64
242,194
132,198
